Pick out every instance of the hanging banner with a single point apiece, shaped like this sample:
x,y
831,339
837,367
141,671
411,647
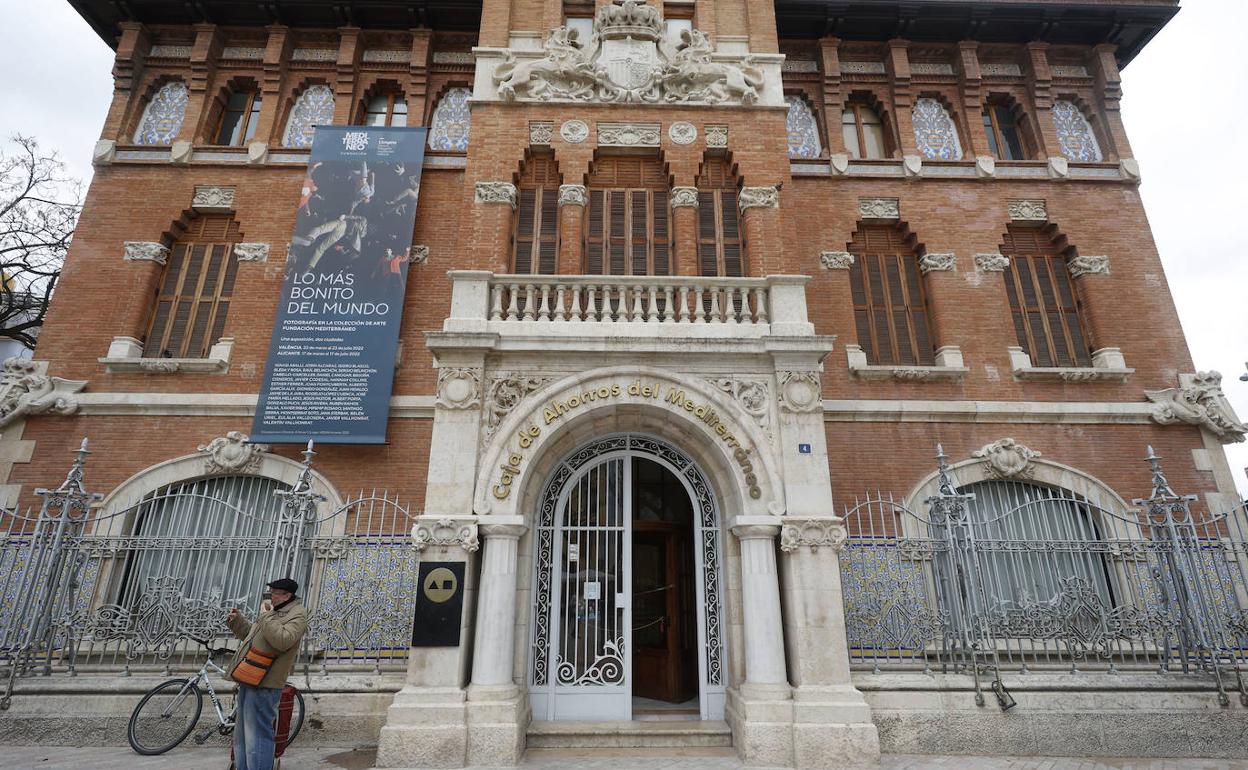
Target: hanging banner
x,y
331,358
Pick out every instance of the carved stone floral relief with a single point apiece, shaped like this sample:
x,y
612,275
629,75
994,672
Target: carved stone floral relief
x,y
1007,459
459,388
232,453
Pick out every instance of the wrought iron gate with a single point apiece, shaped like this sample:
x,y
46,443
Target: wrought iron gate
x,y
581,635
1022,577
138,588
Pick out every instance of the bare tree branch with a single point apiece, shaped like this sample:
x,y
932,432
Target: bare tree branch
x,y
39,207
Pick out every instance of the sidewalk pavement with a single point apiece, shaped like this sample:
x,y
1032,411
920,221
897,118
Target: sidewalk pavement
x,y
324,758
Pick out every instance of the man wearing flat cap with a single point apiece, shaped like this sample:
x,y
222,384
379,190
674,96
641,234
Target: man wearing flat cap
x,y
266,657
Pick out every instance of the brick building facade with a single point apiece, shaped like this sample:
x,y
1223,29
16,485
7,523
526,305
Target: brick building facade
x,y
898,225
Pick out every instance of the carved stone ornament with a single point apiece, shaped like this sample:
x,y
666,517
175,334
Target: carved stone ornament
x,y
684,197
496,192
1028,211
1088,266
146,251
717,136
541,133
505,394
573,195
991,263
752,396
446,532
628,59
251,252
629,134
574,131
459,388
1007,459
879,208
813,534
759,198
1198,400
836,260
26,389
213,198
419,255
800,391
682,132
159,366
232,454
934,262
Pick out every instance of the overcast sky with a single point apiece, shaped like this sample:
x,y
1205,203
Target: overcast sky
x,y
1185,104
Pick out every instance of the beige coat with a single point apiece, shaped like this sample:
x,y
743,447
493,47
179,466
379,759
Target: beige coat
x,y
277,632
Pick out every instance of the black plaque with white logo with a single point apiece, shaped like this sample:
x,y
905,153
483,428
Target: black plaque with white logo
x,y
439,604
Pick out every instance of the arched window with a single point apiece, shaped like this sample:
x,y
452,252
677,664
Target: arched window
x,y
536,241
1074,133
195,290
890,309
1003,126
239,117
935,134
1044,303
863,131
627,230
1004,513
385,109
719,221
452,122
243,508
803,129
162,119
314,107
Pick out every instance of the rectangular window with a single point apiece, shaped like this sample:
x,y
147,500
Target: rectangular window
x,y
1044,304
890,310
239,119
194,295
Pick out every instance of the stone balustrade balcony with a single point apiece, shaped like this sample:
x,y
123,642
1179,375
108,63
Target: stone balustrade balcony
x,y
663,307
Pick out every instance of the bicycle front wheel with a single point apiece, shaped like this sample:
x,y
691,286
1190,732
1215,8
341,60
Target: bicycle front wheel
x,y
165,716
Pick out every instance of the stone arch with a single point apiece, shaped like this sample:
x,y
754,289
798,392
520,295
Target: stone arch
x,y
195,466
534,454
1039,470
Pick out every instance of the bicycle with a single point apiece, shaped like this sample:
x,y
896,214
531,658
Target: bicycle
x,y
171,709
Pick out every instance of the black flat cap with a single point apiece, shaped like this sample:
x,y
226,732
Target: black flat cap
x,y
285,584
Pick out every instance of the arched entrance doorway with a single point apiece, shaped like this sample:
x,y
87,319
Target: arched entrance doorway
x,y
628,598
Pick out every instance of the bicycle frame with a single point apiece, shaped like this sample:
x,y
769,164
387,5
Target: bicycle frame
x,y
224,720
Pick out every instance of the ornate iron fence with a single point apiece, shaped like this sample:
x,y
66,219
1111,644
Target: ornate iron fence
x,y
1012,576
134,589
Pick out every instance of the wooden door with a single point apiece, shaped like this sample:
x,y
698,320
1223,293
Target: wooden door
x,y
664,627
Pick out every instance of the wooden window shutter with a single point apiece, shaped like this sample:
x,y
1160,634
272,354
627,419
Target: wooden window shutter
x,y
191,305
890,307
535,241
1044,303
719,229
628,228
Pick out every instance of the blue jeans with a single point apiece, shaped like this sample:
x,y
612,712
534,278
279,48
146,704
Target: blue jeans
x,y
253,727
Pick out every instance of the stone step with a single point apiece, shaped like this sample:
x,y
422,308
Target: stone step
x,y
629,735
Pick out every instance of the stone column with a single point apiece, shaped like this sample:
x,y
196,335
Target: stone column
x,y
498,711
573,198
760,226
685,229
760,711
760,595
496,615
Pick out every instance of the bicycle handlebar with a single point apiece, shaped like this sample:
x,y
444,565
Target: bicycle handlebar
x,y
213,651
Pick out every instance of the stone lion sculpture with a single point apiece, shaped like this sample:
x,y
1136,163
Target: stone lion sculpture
x,y
691,76
565,72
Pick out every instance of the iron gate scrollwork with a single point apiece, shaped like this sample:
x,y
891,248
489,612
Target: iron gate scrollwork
x,y
1010,575
136,588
